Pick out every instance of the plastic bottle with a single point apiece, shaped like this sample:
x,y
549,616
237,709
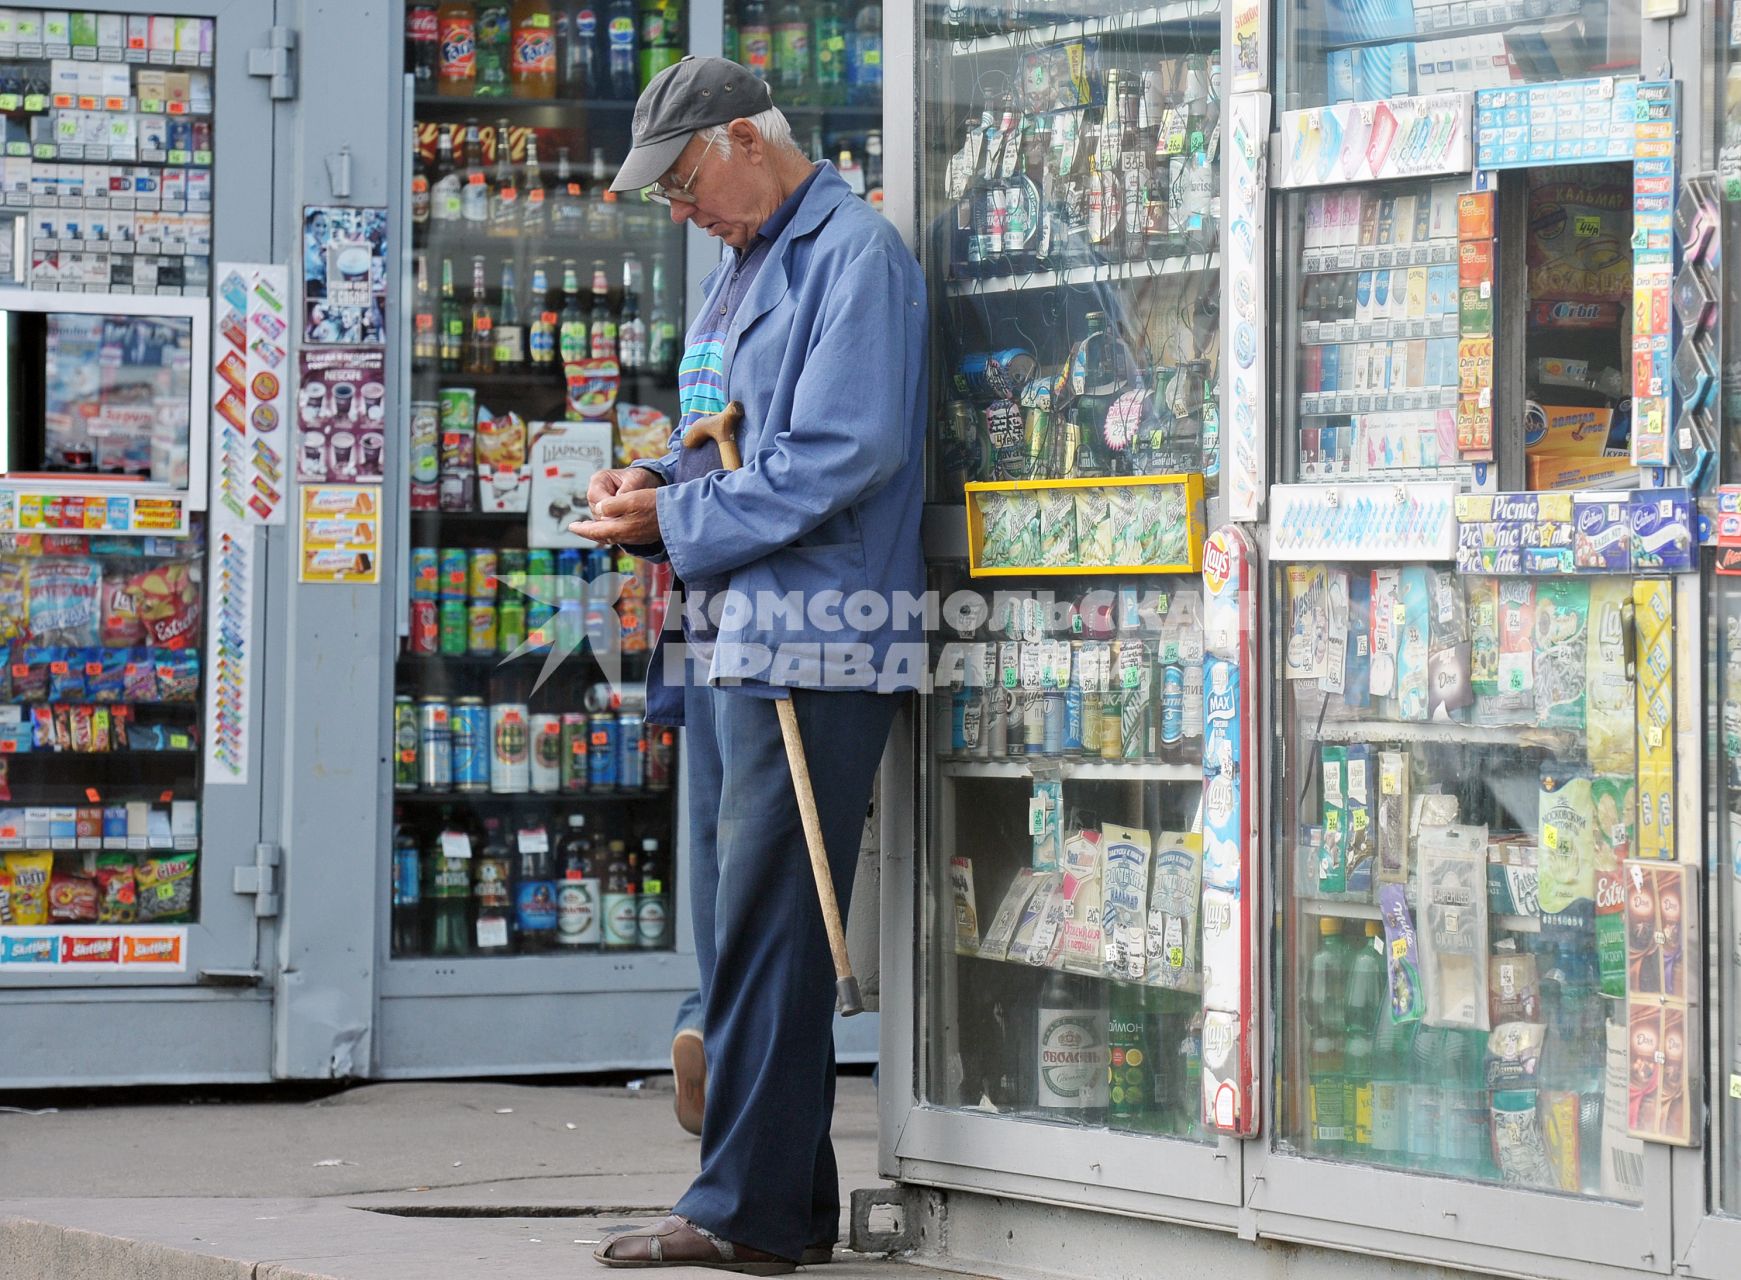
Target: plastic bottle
x,y
448,900
407,894
1365,1004
661,36
864,56
495,49
756,39
532,65
457,36
621,79
1326,984
1392,1048
828,48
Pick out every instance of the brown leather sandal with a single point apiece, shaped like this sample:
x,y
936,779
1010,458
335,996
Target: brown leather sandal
x,y
675,1241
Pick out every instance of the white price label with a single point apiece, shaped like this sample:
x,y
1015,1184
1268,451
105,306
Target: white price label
x,y
456,844
535,840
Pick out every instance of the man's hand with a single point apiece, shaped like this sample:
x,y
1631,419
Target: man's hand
x,y
625,509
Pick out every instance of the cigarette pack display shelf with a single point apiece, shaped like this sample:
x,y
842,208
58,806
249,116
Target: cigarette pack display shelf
x,y
1439,252
1073,770
1185,11
1336,331
1100,273
1371,911
1475,19
1334,404
1559,741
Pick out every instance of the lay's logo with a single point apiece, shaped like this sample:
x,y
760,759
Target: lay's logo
x,y
1217,564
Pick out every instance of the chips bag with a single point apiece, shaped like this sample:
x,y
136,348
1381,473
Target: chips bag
x,y
165,884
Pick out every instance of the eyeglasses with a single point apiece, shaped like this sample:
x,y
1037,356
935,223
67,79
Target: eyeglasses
x,y
659,193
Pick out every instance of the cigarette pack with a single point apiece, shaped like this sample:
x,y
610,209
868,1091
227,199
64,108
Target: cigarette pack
x,y
1174,896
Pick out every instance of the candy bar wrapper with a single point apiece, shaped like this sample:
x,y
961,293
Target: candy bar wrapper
x,y
966,917
1084,939
1452,892
1040,927
1413,684
1386,602
1484,637
1609,708
1662,1054
1046,823
1622,1154
1175,895
1093,526
1653,612
1559,1118
1518,1144
1222,1103
1613,807
1392,822
1514,1051
1357,685
1661,933
1221,950
1057,509
996,943
1402,954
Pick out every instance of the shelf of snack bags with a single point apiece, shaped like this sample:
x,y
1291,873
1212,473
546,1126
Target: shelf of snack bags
x,y
1127,524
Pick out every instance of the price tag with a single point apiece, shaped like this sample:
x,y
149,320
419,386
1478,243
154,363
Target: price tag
x,y
35,102
534,840
456,844
493,933
1735,1085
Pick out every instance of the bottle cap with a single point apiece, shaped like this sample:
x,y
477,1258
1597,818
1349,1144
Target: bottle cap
x,y
1328,925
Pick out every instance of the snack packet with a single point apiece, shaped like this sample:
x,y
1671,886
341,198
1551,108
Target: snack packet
x,y
1084,942
1610,741
1175,893
1568,846
65,599
122,625
169,605
1124,889
1402,954
1452,892
1518,1144
1561,632
1514,1051
165,886
72,898
30,874
117,893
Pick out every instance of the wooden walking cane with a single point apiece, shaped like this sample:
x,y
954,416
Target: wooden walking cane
x,y
721,428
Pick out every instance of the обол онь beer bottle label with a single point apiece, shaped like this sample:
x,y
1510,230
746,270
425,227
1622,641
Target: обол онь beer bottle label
x,y
1072,1061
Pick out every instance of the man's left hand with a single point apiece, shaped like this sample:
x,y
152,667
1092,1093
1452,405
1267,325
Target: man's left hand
x,y
628,519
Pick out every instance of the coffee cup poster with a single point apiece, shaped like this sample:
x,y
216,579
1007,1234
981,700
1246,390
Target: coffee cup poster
x,y
344,275
341,415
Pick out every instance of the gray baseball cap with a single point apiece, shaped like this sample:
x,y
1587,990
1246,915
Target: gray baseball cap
x,y
695,93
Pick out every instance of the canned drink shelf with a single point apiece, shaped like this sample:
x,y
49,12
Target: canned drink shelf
x,y
1101,273
1076,770
1123,22
522,799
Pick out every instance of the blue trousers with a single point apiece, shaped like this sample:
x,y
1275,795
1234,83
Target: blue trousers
x,y
768,1177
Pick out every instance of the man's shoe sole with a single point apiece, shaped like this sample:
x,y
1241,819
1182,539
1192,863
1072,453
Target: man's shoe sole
x,y
816,1255
689,1066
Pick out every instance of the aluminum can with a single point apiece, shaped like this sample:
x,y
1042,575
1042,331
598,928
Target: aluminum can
x,y
1033,722
454,569
1091,712
540,592
1112,726
425,574
510,623
1073,701
453,622
481,627
434,744
405,743
546,753
632,751
471,745
425,442
510,748
482,573
661,756
997,722
574,744
1172,717
425,627
1052,722
602,753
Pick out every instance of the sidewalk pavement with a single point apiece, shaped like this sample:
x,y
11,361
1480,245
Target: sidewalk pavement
x,y
414,1181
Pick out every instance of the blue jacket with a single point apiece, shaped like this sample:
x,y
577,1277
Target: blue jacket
x,y
827,354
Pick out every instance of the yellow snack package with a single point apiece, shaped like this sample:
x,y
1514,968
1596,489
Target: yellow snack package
x,y
30,873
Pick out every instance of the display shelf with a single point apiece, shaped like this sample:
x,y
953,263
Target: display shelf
x,y
432,663
1345,258
1370,911
1101,273
1335,404
1457,20
1322,333
521,799
434,106
1075,770
1120,23
1561,742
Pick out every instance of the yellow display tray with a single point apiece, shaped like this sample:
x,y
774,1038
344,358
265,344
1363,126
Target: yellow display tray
x,y
1034,530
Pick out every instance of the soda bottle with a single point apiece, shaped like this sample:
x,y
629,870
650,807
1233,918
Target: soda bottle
x,y
535,904
449,881
420,197
653,903
729,33
791,54
480,351
622,920
577,897
828,39
474,196
504,194
1189,1076
756,39
602,327
493,893
620,60
535,217
445,187
510,333
631,329
423,44
1392,1049
495,49
1129,1035
457,36
450,328
661,329
1070,1050
577,70
542,343
1366,1003
1424,1103
407,893
601,211
532,68
1326,982
864,56
661,36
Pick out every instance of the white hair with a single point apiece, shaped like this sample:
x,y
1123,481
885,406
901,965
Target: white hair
x,y
772,124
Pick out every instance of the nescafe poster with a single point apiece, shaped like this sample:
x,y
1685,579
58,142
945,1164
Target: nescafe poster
x,y
341,415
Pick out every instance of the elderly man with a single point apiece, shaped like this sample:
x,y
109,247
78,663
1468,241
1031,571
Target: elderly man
x,y
815,323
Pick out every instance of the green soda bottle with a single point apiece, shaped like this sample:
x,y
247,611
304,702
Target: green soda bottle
x,y
1130,1066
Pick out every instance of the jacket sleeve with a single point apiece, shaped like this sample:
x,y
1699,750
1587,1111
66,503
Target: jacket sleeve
x,y
847,435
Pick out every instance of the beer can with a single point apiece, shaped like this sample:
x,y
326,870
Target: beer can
x,y
546,753
1033,722
997,723
425,574
574,743
1091,709
482,575
1015,723
540,594
426,497
1073,702
425,627
454,569
471,745
453,628
425,442
1112,726
632,751
1134,725
1172,717
434,744
602,755
510,623
661,756
405,740
1052,723
481,627
510,748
